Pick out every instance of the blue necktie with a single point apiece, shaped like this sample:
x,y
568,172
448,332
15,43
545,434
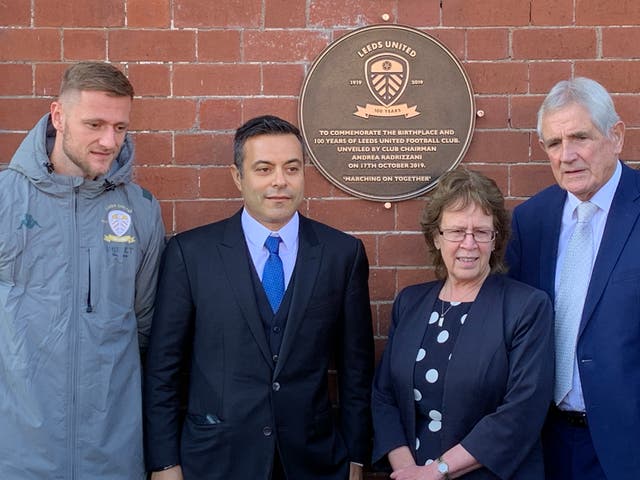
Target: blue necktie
x,y
273,274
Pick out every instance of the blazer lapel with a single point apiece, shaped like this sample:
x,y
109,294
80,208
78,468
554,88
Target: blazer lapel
x,y
308,263
550,228
237,264
407,340
621,220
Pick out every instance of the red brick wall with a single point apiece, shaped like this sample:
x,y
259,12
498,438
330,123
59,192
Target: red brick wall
x,y
201,68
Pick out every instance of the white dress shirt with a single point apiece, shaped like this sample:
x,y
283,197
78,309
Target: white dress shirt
x,y
255,234
602,199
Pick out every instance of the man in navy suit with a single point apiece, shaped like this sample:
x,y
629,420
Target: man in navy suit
x,y
593,431
258,404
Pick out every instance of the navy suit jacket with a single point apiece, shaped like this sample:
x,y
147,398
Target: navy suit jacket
x,y
608,346
242,404
498,383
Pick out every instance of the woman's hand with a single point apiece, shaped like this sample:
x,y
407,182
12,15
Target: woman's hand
x,y
414,472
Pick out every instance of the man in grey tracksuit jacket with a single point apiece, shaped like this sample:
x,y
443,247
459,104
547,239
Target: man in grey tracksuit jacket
x,y
78,268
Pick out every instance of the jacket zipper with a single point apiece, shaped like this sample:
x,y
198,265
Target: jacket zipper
x,y
74,324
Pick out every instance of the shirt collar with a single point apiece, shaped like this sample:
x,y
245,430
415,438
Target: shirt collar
x,y
256,233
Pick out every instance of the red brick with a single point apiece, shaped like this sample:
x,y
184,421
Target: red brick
x,y
495,110
527,180
168,183
469,13
79,13
85,44
282,79
226,79
148,13
524,111
552,43
219,46
204,149
166,210
409,214
48,77
163,114
284,14
216,182
152,45
224,114
418,12
544,75
382,284
283,45
499,173
286,108
552,12
316,186
352,215
150,79
452,39
16,79
152,148
201,212
496,77
621,42
23,45
488,44
369,241
413,276
329,13
22,114
625,79
9,143
628,107
230,13
631,148
406,249
492,146
598,12
15,13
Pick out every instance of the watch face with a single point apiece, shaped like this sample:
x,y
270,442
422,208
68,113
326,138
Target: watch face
x,y
443,467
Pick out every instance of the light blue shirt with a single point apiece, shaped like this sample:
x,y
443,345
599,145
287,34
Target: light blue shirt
x,y
602,199
255,235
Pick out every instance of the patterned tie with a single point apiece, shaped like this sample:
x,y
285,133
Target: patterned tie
x,y
273,274
572,291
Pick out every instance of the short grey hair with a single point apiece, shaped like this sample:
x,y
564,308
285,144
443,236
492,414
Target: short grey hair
x,y
587,93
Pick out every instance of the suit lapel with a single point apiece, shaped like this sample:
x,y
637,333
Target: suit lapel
x,y
308,262
407,340
621,220
237,264
551,225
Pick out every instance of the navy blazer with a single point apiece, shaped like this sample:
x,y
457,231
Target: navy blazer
x,y
498,384
243,404
608,346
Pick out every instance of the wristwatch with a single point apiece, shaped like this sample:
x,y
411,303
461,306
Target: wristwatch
x,y
443,468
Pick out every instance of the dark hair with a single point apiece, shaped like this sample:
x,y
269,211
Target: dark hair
x,y
457,190
264,125
96,76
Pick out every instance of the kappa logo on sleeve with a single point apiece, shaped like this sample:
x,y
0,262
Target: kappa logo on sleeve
x,y
28,222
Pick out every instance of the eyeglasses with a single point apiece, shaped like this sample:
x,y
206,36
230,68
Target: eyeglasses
x,y
458,235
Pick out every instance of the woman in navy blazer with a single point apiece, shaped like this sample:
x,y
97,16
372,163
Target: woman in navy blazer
x,y
466,379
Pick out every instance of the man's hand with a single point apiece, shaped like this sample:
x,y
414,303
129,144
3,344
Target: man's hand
x,y
173,473
355,472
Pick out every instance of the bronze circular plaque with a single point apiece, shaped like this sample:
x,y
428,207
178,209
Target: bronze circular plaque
x,y
386,110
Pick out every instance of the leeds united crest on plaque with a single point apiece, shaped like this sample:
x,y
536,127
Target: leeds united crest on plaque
x,y
385,111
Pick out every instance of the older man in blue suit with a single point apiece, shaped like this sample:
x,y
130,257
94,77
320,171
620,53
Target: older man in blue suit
x,y
593,275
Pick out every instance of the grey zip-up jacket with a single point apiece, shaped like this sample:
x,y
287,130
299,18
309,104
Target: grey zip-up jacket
x,y
78,268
